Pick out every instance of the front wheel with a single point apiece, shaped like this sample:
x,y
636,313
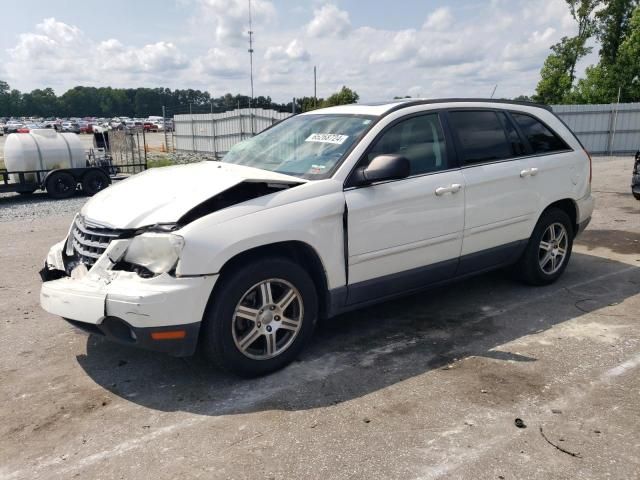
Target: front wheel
x,y
260,317
636,195
549,249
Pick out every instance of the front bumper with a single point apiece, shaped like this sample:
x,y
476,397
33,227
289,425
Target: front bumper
x,y
123,307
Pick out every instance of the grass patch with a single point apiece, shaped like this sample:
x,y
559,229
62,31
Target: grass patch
x,y
2,167
159,162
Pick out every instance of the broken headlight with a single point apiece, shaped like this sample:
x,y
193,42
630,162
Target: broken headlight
x,y
156,252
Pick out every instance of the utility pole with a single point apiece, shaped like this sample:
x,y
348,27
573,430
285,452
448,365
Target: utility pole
x,y
315,84
251,51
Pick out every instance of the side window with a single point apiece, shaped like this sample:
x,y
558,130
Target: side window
x,y
517,145
542,139
481,136
419,139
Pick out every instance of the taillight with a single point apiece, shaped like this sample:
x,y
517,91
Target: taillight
x,y
590,165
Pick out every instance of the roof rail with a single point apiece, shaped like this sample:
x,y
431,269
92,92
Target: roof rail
x,y
412,103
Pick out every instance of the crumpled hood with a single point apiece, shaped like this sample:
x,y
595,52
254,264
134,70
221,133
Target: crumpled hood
x,y
163,195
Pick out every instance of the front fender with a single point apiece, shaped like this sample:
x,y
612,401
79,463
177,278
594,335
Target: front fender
x,y
316,221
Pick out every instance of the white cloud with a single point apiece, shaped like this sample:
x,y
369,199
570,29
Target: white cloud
x,y
221,63
159,57
230,18
293,51
329,21
439,20
454,51
58,53
403,46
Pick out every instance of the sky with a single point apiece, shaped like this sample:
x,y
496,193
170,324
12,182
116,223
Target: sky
x,y
379,48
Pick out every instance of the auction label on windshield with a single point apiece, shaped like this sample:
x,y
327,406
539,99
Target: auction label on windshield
x,y
327,138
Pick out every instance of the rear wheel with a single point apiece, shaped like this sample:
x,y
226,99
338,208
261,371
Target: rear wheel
x,y
93,181
260,317
61,185
548,250
636,196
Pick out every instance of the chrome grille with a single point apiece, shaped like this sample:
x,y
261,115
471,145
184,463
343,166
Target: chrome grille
x,y
90,241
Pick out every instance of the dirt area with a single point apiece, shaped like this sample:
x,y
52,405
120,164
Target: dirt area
x,y
421,388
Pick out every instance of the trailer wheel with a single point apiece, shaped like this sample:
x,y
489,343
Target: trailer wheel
x,y
93,181
61,185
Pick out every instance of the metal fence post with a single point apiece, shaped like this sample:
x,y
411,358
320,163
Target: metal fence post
x,y
164,128
144,145
240,122
213,131
193,133
610,132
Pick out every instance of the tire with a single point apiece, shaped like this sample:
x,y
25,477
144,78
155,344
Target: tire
x,y
226,330
636,196
93,181
61,185
541,263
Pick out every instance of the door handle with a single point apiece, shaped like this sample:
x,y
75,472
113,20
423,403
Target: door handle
x,y
529,172
453,188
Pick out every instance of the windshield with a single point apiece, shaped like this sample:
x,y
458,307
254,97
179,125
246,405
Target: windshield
x,y
306,146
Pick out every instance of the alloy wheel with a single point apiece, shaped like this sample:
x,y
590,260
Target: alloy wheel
x,y
553,248
267,319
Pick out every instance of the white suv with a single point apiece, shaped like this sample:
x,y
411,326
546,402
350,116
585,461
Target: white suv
x,y
322,213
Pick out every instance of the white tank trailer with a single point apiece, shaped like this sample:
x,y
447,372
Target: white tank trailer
x,y
59,160
42,149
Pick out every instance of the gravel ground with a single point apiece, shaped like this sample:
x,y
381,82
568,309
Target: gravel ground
x,y
14,207
426,387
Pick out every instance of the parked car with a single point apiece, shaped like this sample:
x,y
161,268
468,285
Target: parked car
x,y
28,128
635,178
1,129
85,127
12,126
150,127
70,127
325,212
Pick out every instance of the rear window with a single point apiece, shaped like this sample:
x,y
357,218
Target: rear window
x,y
541,139
481,136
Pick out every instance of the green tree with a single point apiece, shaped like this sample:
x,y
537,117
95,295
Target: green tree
x,y
345,96
555,79
603,81
558,73
613,23
627,68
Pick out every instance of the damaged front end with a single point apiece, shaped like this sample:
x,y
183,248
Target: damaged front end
x,y
122,283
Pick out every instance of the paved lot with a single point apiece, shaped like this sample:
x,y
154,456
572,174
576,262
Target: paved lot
x,y
425,387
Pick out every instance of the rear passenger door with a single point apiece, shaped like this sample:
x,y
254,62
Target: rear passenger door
x,y
499,205
552,168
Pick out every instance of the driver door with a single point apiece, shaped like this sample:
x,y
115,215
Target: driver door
x,y
405,234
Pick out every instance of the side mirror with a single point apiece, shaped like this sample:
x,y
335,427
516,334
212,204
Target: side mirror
x,y
386,167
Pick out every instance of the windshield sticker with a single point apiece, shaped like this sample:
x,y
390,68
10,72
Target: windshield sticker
x,y
317,169
327,138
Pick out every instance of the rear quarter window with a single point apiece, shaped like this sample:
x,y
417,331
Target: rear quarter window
x,y
540,137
